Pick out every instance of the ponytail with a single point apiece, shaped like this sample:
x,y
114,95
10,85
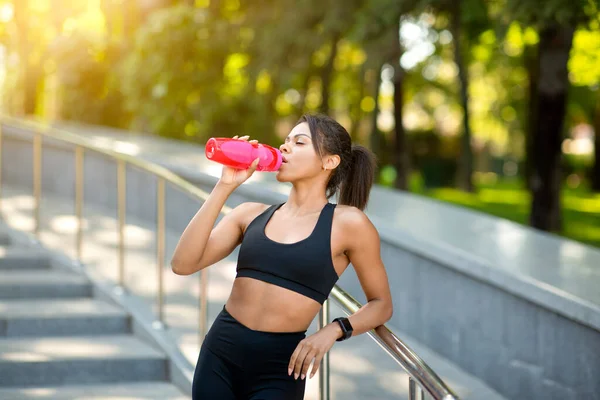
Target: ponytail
x,y
355,186
353,177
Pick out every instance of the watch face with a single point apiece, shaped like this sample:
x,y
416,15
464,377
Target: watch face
x,y
345,326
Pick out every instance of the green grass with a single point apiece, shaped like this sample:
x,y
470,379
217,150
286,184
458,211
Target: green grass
x,y
509,200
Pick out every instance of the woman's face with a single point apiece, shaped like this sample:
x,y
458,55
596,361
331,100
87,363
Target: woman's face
x,y
300,160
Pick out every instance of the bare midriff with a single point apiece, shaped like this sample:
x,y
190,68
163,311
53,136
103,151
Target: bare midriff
x,y
262,306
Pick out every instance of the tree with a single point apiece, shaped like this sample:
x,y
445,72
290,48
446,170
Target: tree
x,y
530,60
554,48
378,29
327,72
172,93
376,138
584,74
468,18
466,165
400,145
556,23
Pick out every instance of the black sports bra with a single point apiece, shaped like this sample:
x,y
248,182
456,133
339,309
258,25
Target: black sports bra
x,y
305,267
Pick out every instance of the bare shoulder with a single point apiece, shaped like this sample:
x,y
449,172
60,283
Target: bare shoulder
x,y
247,212
359,237
350,217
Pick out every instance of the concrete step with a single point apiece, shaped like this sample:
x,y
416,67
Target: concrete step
x,y
20,258
51,317
36,362
130,391
36,284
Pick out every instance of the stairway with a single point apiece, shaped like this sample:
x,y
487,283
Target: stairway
x,y
59,342
359,368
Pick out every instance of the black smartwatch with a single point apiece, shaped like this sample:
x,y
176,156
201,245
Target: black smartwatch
x,y
346,328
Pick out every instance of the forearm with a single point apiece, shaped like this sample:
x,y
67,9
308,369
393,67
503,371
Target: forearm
x,y
373,314
193,240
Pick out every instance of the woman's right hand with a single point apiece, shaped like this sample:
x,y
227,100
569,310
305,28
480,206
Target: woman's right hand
x,y
232,177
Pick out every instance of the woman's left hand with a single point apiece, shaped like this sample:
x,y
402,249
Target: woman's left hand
x,y
312,348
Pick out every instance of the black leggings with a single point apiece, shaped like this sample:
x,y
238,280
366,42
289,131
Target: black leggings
x,y
237,362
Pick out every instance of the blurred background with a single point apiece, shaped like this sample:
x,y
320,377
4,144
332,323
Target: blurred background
x,y
491,105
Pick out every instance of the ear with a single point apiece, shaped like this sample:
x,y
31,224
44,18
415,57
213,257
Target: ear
x,y
331,162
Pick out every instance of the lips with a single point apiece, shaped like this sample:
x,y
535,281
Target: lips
x,y
283,159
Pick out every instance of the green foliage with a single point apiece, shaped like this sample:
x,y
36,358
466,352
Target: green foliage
x,y
89,93
194,69
435,157
584,63
189,78
561,12
171,78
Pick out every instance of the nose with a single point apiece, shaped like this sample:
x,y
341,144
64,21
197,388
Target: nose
x,y
284,148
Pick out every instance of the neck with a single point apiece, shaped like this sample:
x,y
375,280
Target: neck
x,y
305,199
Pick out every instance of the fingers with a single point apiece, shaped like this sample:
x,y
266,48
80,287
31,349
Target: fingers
x,y
254,164
298,366
316,365
301,360
307,361
253,167
246,138
293,359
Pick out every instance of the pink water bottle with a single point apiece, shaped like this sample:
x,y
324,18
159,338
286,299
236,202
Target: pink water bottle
x,y
240,154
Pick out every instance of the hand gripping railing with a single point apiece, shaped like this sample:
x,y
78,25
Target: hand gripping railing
x,y
421,377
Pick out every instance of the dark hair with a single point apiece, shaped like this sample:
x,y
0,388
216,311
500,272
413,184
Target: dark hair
x,y
354,176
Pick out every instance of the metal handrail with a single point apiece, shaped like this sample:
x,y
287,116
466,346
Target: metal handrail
x,y
421,376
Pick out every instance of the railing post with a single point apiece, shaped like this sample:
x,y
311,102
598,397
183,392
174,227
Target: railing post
x,y
324,391
79,200
415,392
37,181
121,205
412,389
160,245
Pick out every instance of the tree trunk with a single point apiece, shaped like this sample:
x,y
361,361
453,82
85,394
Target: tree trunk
x,y
400,150
272,113
465,181
376,138
400,145
355,111
327,74
300,107
554,48
596,167
531,64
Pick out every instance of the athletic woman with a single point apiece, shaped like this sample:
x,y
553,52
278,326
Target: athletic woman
x,y
291,256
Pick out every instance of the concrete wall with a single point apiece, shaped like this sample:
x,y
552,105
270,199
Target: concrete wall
x,y
521,348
